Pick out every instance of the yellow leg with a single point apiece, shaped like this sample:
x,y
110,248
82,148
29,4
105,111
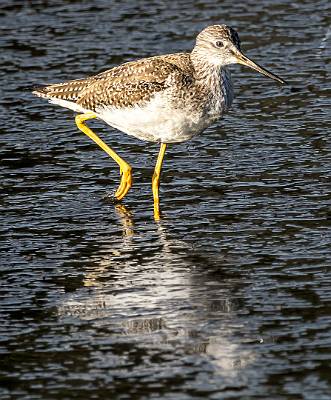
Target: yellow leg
x,y
156,181
125,168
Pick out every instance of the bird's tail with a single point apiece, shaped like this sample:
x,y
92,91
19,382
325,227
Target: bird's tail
x,y
69,91
65,94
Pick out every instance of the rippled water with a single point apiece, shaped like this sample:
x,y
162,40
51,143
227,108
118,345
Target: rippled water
x,y
228,296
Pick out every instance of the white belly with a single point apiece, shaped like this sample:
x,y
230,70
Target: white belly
x,y
156,121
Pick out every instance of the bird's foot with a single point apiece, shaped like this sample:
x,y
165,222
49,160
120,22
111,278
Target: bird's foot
x,y
126,182
109,197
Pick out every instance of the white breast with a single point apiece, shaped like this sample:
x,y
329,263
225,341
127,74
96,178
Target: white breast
x,y
157,121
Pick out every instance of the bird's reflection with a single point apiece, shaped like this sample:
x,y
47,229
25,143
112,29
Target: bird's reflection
x,y
154,288
125,217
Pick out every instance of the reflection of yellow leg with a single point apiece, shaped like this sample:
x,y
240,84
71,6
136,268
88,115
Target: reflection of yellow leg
x,y
126,220
125,168
156,181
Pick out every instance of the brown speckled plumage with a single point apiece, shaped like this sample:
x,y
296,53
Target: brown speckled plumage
x,y
125,85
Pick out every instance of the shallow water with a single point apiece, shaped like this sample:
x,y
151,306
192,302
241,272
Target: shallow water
x,y
228,296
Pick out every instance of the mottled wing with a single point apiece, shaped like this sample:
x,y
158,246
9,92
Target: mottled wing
x,y
129,84
120,94
125,85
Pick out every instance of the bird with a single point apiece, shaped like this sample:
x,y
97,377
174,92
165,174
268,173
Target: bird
x,y
166,99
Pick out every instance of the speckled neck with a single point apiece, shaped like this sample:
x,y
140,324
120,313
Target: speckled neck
x,y
204,70
213,79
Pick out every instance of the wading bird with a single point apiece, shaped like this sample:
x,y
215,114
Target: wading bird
x,y
166,99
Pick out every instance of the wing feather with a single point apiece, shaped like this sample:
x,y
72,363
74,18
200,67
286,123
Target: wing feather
x,y
125,85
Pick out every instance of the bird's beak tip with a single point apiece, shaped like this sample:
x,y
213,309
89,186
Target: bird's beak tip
x,y
242,59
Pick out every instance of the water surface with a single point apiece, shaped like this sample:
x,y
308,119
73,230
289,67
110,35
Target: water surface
x,y
228,296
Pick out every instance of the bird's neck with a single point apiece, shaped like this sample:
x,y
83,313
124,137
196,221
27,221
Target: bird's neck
x,y
205,70
213,78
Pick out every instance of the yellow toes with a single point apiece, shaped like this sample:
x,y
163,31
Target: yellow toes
x,y
121,185
126,182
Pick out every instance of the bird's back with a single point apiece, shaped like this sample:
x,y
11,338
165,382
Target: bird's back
x,y
123,85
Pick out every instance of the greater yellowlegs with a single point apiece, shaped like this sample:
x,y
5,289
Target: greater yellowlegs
x,y
167,99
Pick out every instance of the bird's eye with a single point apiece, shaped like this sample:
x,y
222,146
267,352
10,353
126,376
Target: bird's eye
x,y
219,44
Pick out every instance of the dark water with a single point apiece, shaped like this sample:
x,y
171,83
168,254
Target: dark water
x,y
229,295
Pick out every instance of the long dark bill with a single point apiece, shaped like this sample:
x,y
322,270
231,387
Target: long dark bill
x,y
249,63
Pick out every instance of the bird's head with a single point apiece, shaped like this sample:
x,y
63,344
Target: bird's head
x,y
220,45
